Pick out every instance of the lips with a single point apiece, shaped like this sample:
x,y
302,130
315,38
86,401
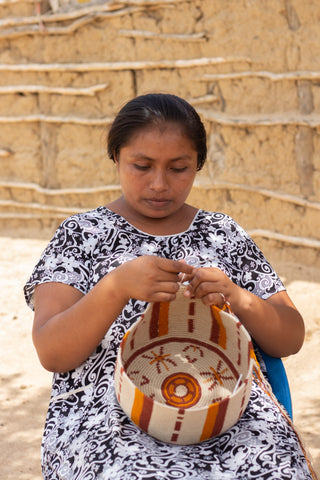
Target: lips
x,y
158,202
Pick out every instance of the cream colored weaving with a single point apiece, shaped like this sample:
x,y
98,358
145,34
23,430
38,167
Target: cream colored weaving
x,y
184,371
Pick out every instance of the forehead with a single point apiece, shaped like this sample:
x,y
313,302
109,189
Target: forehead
x,y
173,133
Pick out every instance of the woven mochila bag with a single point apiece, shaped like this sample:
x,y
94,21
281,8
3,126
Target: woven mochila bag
x,y
184,370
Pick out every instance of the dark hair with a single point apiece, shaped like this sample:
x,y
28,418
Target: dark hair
x,y
155,109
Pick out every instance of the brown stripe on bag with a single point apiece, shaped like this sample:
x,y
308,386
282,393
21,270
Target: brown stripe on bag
x,y
214,420
154,320
191,316
163,318
141,410
243,399
177,427
238,343
146,413
159,319
218,331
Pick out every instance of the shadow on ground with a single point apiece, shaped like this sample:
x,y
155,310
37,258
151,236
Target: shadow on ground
x,y
22,413
311,435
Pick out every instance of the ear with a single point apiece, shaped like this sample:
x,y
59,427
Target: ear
x,y
115,158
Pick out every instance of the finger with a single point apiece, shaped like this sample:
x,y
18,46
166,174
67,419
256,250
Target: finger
x,y
168,287
164,276
176,266
183,267
187,276
164,292
200,289
206,278
183,277
216,298
193,285
161,297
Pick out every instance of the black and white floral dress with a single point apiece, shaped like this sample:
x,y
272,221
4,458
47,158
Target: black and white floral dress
x,y
87,436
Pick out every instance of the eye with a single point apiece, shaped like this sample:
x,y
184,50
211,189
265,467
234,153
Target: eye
x,y
141,167
179,170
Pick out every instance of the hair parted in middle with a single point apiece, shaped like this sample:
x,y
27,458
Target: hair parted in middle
x,y
155,110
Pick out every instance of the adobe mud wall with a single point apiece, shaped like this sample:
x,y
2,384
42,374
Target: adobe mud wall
x,y
251,68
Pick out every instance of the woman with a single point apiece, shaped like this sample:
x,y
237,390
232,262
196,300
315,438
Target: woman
x,y
95,279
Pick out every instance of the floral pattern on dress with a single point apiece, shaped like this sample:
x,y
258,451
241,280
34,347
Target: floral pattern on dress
x,y
87,435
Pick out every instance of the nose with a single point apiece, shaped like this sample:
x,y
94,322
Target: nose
x,y
159,181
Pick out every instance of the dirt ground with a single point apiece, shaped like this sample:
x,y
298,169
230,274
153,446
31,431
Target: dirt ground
x,y
25,385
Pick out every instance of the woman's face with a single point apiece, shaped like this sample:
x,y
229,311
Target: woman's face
x,y
157,169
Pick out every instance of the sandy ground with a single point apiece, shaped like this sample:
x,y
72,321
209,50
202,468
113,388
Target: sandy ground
x,y
25,385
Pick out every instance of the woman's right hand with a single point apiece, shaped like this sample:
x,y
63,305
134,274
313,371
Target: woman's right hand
x,y
150,278
69,325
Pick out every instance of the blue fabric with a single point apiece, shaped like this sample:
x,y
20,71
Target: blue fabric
x,y
278,380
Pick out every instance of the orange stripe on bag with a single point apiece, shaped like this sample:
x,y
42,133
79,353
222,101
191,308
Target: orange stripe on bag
x,y
214,421
137,406
159,319
210,421
141,410
124,339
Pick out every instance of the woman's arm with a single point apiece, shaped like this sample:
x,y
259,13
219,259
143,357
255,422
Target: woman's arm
x,y
275,324
68,325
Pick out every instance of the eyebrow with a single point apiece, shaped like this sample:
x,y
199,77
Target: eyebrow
x,y
176,159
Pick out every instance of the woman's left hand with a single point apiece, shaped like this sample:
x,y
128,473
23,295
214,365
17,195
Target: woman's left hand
x,y
274,323
213,286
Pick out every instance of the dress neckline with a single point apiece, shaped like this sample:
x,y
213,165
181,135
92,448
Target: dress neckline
x,y
106,209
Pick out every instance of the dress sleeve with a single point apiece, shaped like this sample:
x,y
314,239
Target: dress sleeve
x,y
251,269
66,259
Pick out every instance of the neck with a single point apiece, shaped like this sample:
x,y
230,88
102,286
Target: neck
x,y
174,224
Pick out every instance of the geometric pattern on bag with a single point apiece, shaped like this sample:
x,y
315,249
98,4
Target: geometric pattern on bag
x,y
184,370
